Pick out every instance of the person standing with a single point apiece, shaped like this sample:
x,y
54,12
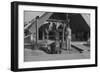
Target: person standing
x,y
33,40
68,39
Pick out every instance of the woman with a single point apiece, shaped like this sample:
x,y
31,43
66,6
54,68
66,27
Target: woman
x,y
68,39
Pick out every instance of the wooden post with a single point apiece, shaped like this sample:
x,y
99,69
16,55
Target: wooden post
x,y
63,36
37,28
37,31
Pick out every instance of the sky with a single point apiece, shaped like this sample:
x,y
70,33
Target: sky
x,y
86,18
29,15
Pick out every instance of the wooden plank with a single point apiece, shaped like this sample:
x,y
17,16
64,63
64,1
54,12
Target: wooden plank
x,y
80,46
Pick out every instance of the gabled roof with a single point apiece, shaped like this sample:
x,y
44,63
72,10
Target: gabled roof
x,y
77,22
